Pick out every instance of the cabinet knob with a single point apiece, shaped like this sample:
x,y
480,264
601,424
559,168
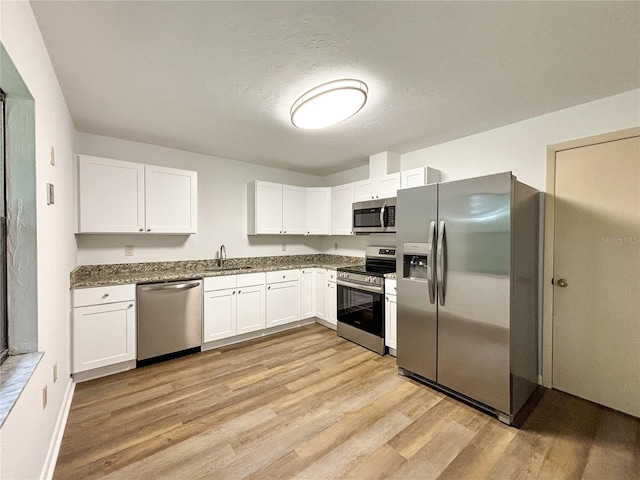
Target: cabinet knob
x,y
239,292
268,288
130,305
285,231
234,292
105,295
141,229
308,233
148,229
387,299
280,231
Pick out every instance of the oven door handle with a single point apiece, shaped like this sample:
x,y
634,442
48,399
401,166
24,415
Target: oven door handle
x,y
365,288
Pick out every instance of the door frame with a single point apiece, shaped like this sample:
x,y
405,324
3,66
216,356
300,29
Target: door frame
x,y
549,238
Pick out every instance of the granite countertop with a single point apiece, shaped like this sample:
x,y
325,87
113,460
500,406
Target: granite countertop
x,y
125,273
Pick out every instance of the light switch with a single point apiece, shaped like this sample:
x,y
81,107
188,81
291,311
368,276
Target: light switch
x,y
128,250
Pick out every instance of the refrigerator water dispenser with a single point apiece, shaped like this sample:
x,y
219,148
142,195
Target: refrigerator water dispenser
x,y
416,265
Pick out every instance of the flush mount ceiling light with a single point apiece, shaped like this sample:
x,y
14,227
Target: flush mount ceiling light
x,y
329,103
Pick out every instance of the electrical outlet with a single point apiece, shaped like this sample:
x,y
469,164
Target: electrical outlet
x,y
44,397
284,247
335,246
128,250
55,372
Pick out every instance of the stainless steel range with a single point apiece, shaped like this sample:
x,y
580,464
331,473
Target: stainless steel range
x,y
361,298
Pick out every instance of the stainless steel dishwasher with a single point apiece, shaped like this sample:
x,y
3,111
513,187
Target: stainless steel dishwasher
x,y
169,318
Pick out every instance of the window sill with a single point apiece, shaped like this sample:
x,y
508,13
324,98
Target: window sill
x,y
15,372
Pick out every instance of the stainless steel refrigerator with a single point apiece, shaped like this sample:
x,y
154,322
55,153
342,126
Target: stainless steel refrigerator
x,y
467,284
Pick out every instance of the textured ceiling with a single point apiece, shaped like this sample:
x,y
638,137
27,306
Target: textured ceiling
x,y
219,78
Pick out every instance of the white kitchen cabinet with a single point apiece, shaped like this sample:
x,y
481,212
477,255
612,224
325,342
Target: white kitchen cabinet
x,y
307,293
127,197
382,187
283,297
104,332
321,293
332,298
171,200
416,177
390,315
233,305
275,209
341,209
318,211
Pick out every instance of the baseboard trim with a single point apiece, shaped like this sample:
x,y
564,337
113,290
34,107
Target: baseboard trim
x,y
54,448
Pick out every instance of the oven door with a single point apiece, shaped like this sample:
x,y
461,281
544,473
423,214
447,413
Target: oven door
x,y
361,307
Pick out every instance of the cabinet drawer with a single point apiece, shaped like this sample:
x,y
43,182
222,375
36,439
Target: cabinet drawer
x,y
219,283
390,287
99,295
283,276
331,275
250,279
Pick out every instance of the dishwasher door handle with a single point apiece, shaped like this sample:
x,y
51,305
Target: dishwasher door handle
x,y
179,286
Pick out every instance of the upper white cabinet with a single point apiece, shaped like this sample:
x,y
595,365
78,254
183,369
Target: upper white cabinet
x,y
341,209
276,209
127,197
318,215
416,177
381,187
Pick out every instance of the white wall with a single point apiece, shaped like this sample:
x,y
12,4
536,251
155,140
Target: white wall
x,y
522,147
222,208
26,436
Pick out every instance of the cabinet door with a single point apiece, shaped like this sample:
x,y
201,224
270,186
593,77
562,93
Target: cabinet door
x,y
318,214
307,296
391,321
171,198
388,186
219,314
321,293
103,335
250,309
268,208
283,303
293,210
416,177
342,209
364,190
332,303
110,196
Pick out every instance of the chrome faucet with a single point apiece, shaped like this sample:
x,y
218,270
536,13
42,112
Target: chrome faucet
x,y
223,251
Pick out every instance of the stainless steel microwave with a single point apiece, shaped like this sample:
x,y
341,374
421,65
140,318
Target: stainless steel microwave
x,y
375,216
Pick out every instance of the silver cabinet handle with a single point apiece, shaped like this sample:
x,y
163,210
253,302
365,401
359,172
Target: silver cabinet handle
x,y
562,283
431,284
141,229
440,259
148,229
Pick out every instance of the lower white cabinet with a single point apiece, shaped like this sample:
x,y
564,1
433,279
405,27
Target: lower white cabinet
x,y
390,314
322,293
307,293
104,327
332,298
283,303
233,305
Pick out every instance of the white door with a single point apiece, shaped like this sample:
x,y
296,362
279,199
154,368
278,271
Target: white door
x,y
388,186
250,309
318,214
341,209
103,335
268,208
110,195
596,322
391,321
219,314
332,304
306,293
283,303
415,177
171,199
293,210
364,190
321,293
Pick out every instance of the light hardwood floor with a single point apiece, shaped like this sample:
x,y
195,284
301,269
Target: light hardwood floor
x,y
307,404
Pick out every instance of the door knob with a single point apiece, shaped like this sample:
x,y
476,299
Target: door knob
x,y
562,283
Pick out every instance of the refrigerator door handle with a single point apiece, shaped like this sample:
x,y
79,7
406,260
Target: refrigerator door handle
x,y
440,261
431,284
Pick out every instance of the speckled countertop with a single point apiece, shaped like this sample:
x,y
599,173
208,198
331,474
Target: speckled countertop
x,y
125,273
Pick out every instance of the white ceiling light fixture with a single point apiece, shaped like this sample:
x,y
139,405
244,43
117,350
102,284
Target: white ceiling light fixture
x,y
329,103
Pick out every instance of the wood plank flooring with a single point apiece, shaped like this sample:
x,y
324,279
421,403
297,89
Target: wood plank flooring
x,y
306,404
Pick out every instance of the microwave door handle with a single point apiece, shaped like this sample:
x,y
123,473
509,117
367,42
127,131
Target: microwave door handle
x,y
440,260
384,207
